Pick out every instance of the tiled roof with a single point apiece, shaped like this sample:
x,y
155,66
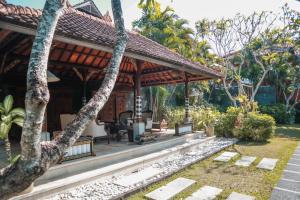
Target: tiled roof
x,y
83,27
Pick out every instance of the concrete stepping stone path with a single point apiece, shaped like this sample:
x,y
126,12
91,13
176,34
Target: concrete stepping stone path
x,y
245,161
205,193
239,196
288,186
267,163
171,189
137,177
226,156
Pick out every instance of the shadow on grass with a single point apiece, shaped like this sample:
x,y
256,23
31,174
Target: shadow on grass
x,y
251,143
288,131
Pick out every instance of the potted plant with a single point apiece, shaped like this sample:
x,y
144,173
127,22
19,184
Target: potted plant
x,y
9,116
207,119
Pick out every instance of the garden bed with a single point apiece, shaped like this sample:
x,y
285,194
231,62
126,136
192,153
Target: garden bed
x,y
250,180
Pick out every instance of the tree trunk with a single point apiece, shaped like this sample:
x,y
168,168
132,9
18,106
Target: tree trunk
x,y
36,158
258,85
229,94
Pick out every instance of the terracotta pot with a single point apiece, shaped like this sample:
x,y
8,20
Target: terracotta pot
x,y
210,131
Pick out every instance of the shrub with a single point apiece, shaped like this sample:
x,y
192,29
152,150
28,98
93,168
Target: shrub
x,y
201,116
204,117
226,122
278,112
254,126
175,115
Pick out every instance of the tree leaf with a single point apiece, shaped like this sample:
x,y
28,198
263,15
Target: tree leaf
x,y
4,130
2,109
6,118
20,112
8,103
19,121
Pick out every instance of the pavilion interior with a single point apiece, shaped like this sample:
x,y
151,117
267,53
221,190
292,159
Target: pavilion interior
x,y
77,67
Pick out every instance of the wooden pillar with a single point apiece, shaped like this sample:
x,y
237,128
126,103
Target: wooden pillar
x,y
187,101
83,98
138,95
139,125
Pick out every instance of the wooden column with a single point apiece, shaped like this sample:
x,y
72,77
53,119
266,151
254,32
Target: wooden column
x,y
187,101
138,125
138,95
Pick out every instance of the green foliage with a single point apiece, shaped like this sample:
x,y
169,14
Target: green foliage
x,y
226,123
174,116
168,29
9,116
159,96
245,125
254,127
278,112
201,117
205,117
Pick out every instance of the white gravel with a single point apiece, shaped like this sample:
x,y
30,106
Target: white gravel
x,y
106,189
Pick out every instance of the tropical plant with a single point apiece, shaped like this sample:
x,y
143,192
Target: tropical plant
x,y
9,116
255,127
207,117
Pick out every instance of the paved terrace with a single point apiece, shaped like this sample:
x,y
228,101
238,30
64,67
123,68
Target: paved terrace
x,y
288,186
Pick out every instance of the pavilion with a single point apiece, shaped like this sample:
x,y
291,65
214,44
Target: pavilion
x,y
80,53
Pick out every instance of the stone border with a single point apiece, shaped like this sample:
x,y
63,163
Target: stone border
x,y
137,189
52,188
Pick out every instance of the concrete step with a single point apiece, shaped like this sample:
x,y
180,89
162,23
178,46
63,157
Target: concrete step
x,y
64,184
74,167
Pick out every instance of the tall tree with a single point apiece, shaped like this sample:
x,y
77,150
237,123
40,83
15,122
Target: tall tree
x,y
36,157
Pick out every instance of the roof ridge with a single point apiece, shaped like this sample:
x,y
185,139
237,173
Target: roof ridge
x,y
73,10
17,9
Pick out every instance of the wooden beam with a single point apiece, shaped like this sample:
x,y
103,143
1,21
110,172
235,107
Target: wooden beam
x,y
70,65
61,38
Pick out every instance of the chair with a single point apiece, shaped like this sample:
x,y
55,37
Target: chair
x,y
93,129
147,118
125,119
125,122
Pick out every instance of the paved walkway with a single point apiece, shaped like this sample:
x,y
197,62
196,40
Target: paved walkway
x,y
288,187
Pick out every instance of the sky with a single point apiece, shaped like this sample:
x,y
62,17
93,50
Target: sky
x,y
192,10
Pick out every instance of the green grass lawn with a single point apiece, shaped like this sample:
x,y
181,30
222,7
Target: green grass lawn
x,y
247,180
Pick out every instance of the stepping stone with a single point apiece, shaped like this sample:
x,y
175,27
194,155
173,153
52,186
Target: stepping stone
x,y
205,193
238,196
245,161
226,156
137,177
171,189
267,163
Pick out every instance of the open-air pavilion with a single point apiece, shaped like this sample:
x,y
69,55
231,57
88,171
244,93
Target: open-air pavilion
x,y
79,56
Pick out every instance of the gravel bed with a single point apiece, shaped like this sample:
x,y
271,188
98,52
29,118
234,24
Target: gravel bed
x,y
106,189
